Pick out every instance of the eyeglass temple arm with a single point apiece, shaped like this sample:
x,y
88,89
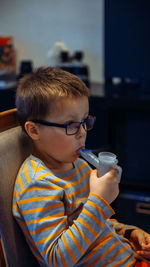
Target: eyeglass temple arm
x,y
47,123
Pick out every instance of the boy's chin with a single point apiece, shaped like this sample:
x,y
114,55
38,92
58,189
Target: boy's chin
x,y
72,158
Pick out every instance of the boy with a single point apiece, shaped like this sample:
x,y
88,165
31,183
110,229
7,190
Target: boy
x,y
61,205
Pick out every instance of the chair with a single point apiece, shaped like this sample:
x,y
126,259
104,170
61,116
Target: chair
x,y
8,119
15,146
2,255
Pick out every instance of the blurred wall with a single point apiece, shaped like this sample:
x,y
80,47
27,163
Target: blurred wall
x,y
37,24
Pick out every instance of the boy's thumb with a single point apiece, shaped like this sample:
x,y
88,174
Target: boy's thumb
x,y
141,239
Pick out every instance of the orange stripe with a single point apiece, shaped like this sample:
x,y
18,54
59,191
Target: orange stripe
x,y
20,170
83,236
26,172
110,248
106,252
74,204
78,191
32,244
20,182
78,181
42,219
49,252
118,224
114,221
69,250
82,200
76,242
55,261
124,230
34,199
79,168
56,180
46,239
94,218
42,208
97,245
99,242
115,224
40,188
3,251
16,194
35,168
62,258
97,208
133,262
15,207
119,252
103,200
41,168
52,256
34,165
43,176
88,226
39,258
47,227
122,261
103,255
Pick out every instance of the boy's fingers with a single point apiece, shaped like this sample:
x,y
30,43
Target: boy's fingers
x,y
141,239
146,247
145,254
114,171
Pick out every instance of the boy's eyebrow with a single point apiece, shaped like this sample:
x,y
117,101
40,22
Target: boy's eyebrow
x,y
72,117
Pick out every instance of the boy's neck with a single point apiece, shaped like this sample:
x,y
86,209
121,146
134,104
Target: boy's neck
x,y
53,165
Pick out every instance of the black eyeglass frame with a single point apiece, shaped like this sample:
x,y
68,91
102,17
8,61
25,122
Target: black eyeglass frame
x,y
65,125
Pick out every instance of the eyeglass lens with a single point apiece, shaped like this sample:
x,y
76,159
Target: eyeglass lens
x,y
89,123
75,126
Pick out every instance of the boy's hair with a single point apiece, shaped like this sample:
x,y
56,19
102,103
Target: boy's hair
x,y
38,90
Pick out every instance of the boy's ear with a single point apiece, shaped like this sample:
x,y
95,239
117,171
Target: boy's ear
x,y
32,130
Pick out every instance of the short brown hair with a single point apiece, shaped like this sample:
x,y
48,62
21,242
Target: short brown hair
x,y
36,91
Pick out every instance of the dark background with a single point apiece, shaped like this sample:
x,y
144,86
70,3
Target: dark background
x,y
123,115
127,40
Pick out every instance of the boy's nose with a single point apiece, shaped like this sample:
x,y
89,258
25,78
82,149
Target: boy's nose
x,y
81,132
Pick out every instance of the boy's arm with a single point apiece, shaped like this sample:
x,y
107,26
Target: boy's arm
x,y
46,227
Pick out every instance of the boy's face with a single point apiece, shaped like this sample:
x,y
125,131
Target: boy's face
x,y
53,144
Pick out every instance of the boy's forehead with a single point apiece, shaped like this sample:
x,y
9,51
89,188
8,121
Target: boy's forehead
x,y
69,107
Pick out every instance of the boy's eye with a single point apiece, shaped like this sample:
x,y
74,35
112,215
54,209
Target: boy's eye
x,y
73,125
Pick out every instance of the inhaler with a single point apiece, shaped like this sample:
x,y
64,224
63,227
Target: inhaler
x,y
104,162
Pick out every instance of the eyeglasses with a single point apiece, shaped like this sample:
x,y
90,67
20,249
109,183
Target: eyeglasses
x,y
71,127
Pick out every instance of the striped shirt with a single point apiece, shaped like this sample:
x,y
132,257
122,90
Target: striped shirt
x,y
63,223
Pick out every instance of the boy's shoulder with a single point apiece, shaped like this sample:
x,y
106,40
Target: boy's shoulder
x,y
32,169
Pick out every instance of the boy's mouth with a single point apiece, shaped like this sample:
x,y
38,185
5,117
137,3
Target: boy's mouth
x,y
77,151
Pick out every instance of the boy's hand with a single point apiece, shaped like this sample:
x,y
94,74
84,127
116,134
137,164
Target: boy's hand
x,y
105,186
140,241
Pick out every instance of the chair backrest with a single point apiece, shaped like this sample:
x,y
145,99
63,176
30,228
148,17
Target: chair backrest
x,y
8,119
15,146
